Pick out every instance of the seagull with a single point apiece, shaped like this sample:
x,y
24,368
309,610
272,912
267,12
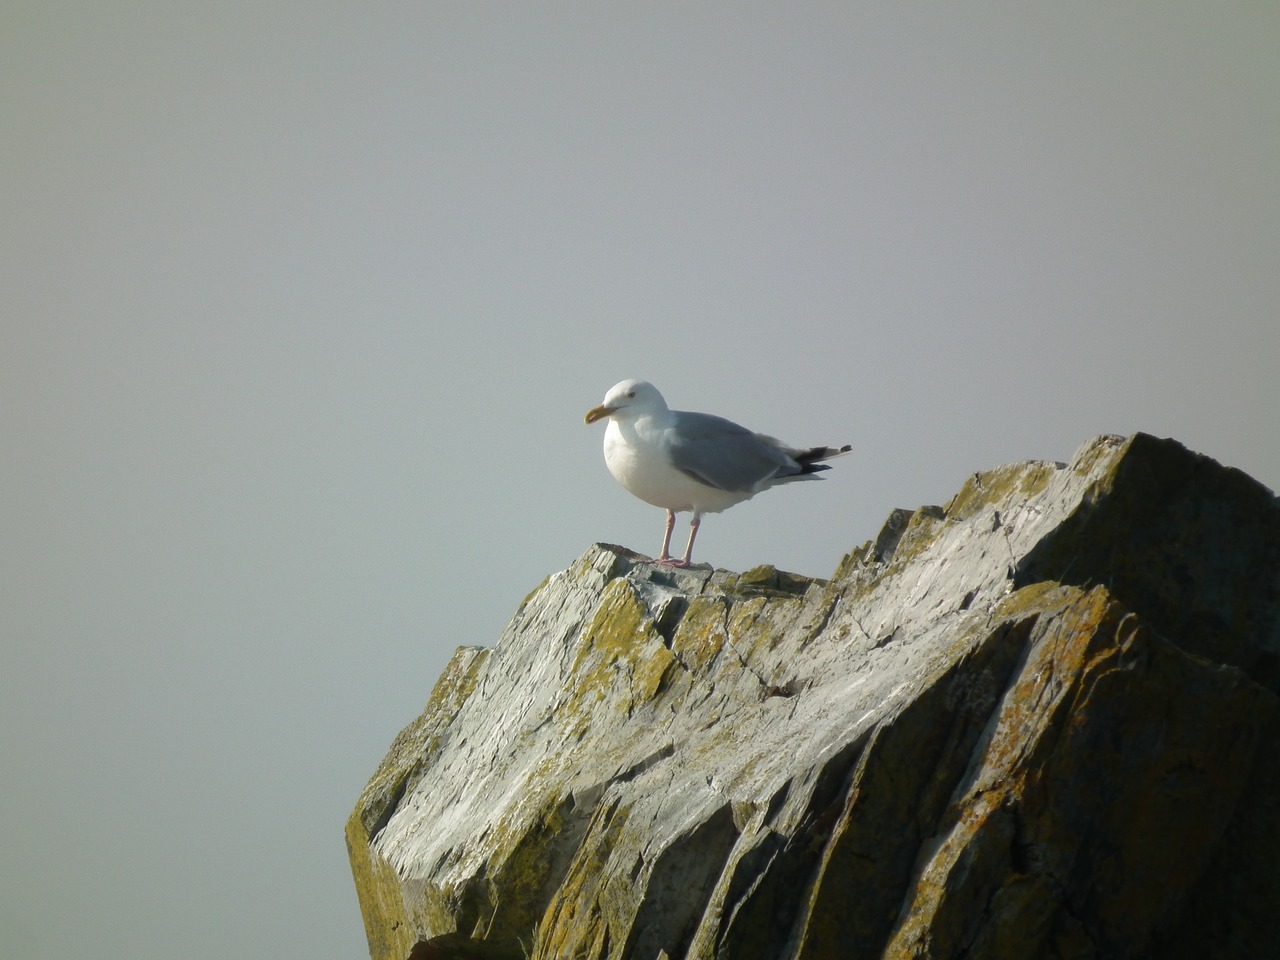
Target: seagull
x,y
697,462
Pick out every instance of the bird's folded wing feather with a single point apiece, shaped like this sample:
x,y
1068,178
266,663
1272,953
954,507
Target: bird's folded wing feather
x,y
722,454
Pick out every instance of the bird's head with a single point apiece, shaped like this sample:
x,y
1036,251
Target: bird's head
x,y
630,398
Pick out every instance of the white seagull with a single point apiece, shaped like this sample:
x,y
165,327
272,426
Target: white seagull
x,y
682,461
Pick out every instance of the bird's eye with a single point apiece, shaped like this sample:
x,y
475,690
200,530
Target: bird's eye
x,y
631,394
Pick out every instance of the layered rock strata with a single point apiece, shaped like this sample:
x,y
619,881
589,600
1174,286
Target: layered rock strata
x,y
1037,722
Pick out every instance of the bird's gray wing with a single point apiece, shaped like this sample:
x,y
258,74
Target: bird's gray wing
x,y
722,454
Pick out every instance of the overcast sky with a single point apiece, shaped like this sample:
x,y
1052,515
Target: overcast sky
x,y
301,306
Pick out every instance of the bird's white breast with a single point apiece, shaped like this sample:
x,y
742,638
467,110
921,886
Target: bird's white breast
x,y
636,456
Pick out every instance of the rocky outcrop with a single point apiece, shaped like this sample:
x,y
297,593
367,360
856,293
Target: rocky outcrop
x,y
1038,722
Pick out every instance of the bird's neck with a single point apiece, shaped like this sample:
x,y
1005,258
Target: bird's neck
x,y
639,429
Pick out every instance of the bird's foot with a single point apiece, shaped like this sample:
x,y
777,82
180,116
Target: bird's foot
x,y
673,562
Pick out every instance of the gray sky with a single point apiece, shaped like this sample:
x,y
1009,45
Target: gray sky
x,y
301,306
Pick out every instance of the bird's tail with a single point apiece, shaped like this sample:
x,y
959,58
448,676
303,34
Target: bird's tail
x,y
811,460
809,463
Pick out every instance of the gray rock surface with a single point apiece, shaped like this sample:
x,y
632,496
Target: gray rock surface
x,y
1038,722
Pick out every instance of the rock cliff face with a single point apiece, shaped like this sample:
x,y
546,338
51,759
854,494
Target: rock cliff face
x,y
1038,722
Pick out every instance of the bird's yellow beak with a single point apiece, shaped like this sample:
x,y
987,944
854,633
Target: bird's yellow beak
x,y
599,413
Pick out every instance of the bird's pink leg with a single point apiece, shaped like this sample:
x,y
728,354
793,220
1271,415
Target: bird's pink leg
x,y
665,556
688,550
693,532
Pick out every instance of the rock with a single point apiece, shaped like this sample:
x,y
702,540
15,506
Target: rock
x,y
1038,722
